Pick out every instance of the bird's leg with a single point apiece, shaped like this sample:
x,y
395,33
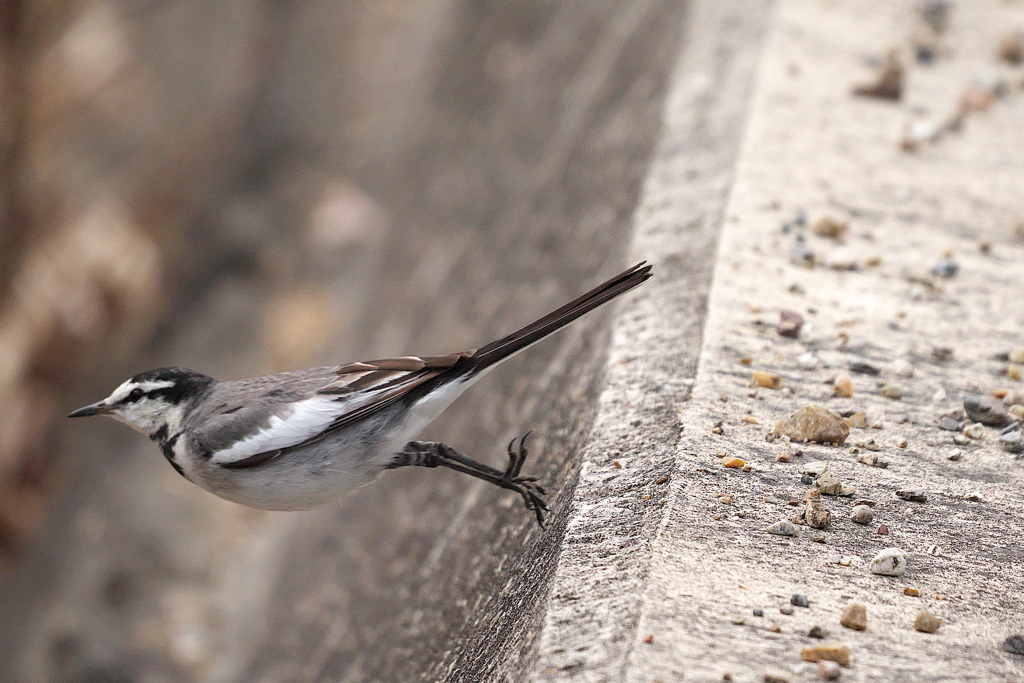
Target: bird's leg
x,y
437,454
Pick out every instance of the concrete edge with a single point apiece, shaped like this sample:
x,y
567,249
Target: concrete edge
x,y
619,503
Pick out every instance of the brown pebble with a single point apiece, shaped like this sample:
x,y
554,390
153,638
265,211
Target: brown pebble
x,y
766,379
912,592
616,464
649,638
733,462
832,228
814,423
863,501
902,443
789,325
725,499
889,84
750,419
661,480
833,652
855,616
927,623
772,678
1011,48
1000,393
746,360
843,387
774,628
857,420
782,457
883,530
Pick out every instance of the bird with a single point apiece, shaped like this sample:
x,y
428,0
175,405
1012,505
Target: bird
x,y
298,439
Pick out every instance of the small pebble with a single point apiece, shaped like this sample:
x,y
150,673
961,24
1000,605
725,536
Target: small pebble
x,y
1011,48
955,455
912,592
814,423
872,460
817,632
932,550
766,379
786,609
1016,355
902,443
942,354
1011,439
774,628
725,499
829,484
916,495
855,616
862,514
848,491
843,387
883,530
889,562
774,678
927,623
830,671
986,410
1014,644
833,652
1017,411
758,612
782,457
783,527
815,468
949,424
857,420
832,228
1014,398
807,361
733,462
974,498
863,501
649,639
946,267
902,368
800,600
974,431
892,391
789,325
863,367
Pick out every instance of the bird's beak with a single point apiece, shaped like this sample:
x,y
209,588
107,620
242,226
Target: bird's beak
x,y
97,408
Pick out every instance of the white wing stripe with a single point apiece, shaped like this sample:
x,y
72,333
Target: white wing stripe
x,y
306,419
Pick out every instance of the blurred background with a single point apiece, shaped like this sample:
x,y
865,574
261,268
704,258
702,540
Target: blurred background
x,y
247,186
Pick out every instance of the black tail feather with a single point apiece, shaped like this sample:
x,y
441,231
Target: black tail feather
x,y
497,351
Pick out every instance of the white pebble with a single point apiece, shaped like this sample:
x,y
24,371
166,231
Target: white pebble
x,y
975,431
862,514
889,562
902,368
783,527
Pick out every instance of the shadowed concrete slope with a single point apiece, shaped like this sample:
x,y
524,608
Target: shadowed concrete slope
x,y
509,191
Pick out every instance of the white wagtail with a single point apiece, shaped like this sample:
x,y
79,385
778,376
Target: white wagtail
x,y
295,440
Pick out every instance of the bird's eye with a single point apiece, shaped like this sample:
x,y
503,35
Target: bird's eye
x,y
135,394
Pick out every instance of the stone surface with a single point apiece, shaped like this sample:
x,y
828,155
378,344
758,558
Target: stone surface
x,y
833,652
889,562
862,514
814,423
986,410
783,527
927,622
855,616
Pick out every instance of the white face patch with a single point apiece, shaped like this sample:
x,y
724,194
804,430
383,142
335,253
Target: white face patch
x,y
147,414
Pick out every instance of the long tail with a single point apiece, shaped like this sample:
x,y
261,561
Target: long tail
x,y
497,351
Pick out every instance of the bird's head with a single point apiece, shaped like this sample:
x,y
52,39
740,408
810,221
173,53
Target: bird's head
x,y
151,401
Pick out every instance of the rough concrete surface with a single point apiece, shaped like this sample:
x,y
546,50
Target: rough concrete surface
x,y
810,145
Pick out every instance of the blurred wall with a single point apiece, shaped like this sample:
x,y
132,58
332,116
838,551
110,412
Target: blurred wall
x,y
246,187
